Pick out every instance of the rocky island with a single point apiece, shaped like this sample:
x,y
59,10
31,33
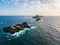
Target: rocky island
x,y
16,28
37,17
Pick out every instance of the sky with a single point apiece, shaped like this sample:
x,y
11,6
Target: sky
x,y
30,7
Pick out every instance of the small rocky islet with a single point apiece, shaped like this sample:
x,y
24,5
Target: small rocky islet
x,y
37,17
16,28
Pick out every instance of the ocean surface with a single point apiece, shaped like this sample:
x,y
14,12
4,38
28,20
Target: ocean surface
x,y
47,31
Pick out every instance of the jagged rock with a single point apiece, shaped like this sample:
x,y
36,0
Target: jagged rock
x,y
10,29
37,17
26,25
19,27
16,28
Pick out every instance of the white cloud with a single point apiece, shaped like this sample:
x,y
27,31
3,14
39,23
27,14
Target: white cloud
x,y
35,6
32,2
16,1
25,5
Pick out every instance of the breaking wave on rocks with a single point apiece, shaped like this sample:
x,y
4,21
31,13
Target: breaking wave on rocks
x,y
10,36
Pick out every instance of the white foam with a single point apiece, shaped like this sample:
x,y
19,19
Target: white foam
x,y
33,27
17,34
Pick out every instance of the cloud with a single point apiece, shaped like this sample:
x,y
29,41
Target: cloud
x,y
33,6
37,3
32,2
16,2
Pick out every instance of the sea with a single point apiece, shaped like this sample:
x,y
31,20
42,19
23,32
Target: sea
x,y
46,32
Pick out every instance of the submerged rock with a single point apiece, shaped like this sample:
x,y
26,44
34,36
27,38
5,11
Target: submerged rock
x,y
16,28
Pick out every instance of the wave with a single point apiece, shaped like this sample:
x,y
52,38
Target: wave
x,y
10,36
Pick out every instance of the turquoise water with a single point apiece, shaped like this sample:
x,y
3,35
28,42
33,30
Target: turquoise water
x,y
46,33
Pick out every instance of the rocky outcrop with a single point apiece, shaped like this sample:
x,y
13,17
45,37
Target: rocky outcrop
x,y
16,28
37,17
26,25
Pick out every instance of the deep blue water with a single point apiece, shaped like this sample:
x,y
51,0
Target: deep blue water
x,y
46,33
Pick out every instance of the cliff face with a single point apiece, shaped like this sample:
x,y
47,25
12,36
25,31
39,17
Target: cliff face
x,y
16,28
